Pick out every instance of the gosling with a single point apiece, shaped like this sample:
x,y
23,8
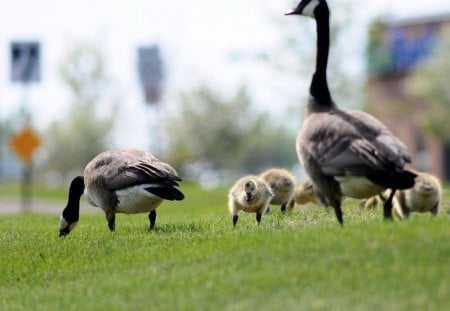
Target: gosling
x,y
249,194
282,184
423,197
305,194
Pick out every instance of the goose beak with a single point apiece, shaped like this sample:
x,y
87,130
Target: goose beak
x,y
64,232
249,197
297,10
292,12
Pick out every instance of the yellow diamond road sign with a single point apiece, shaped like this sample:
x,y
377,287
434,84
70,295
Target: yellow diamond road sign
x,y
25,143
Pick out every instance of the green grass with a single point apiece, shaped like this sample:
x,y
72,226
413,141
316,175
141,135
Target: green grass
x,y
194,260
38,190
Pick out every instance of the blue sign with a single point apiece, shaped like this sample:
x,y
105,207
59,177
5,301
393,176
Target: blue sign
x,y
25,62
150,70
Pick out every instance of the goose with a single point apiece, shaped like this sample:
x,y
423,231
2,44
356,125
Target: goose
x,y
251,195
121,181
345,153
282,184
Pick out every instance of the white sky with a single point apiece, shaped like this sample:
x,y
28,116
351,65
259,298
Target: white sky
x,y
197,38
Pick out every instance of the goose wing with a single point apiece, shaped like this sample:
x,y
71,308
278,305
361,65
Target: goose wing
x,y
120,169
356,144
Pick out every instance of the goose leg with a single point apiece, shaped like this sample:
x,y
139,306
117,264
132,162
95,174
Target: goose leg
x,y
283,208
258,217
387,210
111,218
152,218
435,209
235,219
338,211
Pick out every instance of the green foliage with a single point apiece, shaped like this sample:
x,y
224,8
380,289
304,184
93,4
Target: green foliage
x,y
226,132
430,82
73,141
196,261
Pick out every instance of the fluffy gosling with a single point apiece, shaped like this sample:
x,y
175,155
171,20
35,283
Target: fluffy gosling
x,y
282,184
249,194
423,197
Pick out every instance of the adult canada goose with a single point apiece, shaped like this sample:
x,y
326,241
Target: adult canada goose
x,y
121,181
345,153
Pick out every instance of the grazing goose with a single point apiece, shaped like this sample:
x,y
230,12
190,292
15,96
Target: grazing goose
x,y
122,181
345,153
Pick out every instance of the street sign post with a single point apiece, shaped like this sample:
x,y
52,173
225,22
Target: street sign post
x,y
24,144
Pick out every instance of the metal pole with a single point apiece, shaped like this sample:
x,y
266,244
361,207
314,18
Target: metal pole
x,y
26,191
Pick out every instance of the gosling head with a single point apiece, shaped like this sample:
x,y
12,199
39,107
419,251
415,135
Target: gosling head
x,y
309,8
250,190
424,186
308,187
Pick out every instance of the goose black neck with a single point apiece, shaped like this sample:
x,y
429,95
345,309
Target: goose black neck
x,y
72,210
319,85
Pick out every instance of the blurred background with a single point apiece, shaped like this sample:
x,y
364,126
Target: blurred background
x,y
215,88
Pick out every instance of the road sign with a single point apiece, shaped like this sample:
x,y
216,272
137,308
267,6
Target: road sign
x,y
150,70
25,62
25,144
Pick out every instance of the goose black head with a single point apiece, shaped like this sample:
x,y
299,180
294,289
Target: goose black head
x,y
309,8
66,226
71,214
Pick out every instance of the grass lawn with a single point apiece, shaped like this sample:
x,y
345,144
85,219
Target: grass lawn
x,y
194,260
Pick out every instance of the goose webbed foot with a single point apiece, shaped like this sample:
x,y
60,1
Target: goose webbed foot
x,y
152,218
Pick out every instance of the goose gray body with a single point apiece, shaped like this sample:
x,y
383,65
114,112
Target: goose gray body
x,y
122,181
345,153
350,153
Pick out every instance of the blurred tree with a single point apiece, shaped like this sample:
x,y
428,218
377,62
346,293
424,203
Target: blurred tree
x,y
74,140
429,81
226,133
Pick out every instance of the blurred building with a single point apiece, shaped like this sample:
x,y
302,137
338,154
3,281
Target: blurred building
x,y
395,48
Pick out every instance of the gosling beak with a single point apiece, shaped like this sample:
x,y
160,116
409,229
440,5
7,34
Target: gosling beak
x,y
249,197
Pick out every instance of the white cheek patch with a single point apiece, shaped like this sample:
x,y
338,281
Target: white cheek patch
x,y
308,10
63,223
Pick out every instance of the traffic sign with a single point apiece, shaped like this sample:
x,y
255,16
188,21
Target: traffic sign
x,y
25,144
25,62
